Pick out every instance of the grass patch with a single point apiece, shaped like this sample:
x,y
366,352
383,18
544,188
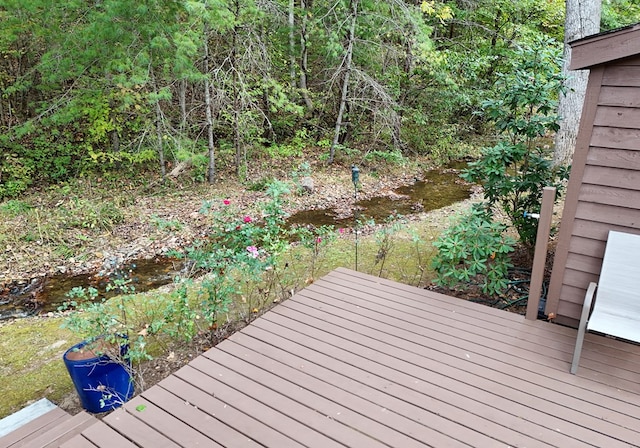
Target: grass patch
x,y
31,362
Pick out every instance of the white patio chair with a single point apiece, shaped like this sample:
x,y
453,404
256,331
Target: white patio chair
x,y
616,309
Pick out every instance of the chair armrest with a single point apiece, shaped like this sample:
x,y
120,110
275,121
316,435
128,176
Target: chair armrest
x,y
588,303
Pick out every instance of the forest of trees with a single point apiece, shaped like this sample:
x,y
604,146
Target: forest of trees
x,y
119,86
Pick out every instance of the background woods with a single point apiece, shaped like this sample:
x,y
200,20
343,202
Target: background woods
x,y
111,87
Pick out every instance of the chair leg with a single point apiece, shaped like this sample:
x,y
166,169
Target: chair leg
x,y
582,329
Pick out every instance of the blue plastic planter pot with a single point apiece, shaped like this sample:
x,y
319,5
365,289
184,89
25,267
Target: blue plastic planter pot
x,y
102,383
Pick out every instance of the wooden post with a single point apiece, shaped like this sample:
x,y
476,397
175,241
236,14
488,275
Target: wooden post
x,y
540,254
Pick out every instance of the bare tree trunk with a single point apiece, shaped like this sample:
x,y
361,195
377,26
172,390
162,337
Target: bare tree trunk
x,y
115,140
211,171
236,99
292,43
582,19
182,92
163,169
345,82
304,57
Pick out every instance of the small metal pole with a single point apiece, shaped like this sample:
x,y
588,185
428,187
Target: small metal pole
x,y
355,178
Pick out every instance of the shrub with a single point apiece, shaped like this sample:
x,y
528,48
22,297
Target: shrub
x,y
476,249
515,171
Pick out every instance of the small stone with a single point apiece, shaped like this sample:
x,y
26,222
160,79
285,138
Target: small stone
x,y
307,184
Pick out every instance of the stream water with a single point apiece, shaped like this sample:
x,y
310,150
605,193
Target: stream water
x,y
438,189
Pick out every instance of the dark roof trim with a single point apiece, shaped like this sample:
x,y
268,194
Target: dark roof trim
x,y
604,33
605,47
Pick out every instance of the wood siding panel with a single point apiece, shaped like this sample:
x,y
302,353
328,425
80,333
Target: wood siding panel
x,y
618,117
584,263
604,189
619,96
614,158
579,279
620,75
567,309
599,230
587,246
575,295
617,138
612,177
625,217
583,142
618,197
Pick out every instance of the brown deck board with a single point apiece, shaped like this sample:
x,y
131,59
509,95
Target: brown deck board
x,y
171,427
239,421
447,374
102,436
448,398
34,428
505,346
339,410
285,420
358,361
384,408
192,415
525,331
603,345
61,432
138,432
78,442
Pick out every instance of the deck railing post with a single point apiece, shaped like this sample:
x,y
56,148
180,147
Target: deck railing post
x,y
540,254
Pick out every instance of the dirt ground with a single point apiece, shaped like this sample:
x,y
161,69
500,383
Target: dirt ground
x,y
154,223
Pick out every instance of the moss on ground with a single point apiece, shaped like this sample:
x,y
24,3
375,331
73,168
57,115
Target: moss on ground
x,y
31,362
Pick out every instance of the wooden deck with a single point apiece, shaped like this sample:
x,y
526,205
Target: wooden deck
x,y
358,361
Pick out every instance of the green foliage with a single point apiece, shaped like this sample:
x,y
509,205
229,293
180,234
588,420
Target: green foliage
x,y
97,88
619,13
295,148
393,156
241,248
384,238
261,184
15,207
97,319
515,171
196,157
168,225
474,249
342,151
87,214
16,175
316,240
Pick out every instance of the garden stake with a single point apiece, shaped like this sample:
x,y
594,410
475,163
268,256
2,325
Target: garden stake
x,y
355,177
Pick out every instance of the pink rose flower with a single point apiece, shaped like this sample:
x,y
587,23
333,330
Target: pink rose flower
x,y
247,219
226,202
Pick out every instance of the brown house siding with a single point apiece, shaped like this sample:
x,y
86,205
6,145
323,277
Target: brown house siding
x,y
604,188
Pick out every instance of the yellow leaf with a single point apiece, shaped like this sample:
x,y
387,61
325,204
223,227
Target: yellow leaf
x,y
427,7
